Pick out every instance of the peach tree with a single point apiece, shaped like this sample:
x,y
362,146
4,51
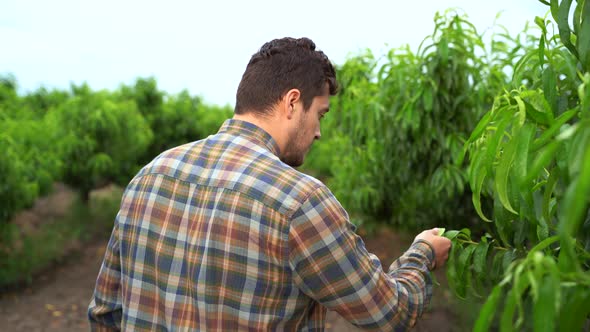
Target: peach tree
x,y
529,158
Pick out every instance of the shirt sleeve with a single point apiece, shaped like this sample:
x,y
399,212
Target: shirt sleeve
x,y
105,309
331,265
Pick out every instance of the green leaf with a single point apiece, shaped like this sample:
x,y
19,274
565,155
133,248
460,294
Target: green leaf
x,y
541,51
523,138
463,264
539,117
488,310
497,271
563,25
542,229
507,317
567,259
577,19
575,202
521,284
503,221
480,263
502,172
509,256
451,234
444,51
551,131
520,229
579,143
544,157
466,232
481,126
452,275
534,284
584,94
476,194
480,257
547,194
575,310
542,245
521,110
550,87
554,9
494,141
583,40
520,68
544,307
427,99
475,134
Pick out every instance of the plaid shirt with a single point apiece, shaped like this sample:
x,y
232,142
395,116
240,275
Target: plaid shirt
x,y
220,235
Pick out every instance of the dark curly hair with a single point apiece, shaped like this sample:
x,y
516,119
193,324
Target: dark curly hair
x,y
281,65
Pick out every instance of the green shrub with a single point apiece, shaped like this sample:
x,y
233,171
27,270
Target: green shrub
x,y
26,254
407,116
101,139
530,156
17,191
178,119
184,119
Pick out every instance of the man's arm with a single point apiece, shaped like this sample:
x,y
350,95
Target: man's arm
x,y
104,312
331,265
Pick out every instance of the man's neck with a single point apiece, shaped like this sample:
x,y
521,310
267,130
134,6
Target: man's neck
x,y
269,124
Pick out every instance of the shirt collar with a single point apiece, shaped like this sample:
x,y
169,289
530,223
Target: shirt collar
x,y
251,132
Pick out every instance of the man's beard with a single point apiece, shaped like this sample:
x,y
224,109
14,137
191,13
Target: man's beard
x,y
294,152
294,156
293,161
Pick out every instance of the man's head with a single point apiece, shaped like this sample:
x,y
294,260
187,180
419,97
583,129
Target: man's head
x,y
281,65
287,85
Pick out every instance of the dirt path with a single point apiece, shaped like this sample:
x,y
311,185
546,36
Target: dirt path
x,y
57,301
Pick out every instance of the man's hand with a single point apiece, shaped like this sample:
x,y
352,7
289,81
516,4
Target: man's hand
x,y
440,244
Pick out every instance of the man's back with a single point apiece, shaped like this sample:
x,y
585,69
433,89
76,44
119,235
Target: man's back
x,y
203,237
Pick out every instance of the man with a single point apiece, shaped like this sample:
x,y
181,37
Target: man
x,y
224,235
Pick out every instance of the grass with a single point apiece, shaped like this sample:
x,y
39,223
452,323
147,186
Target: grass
x,y
22,256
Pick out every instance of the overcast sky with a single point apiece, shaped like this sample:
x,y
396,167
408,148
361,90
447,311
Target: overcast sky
x,y
204,46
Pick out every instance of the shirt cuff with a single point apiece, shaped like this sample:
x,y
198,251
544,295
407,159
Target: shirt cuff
x,y
427,249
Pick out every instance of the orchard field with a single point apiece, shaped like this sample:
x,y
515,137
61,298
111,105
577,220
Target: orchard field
x,y
485,134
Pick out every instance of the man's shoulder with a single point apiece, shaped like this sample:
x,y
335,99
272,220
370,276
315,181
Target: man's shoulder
x,y
175,162
301,184
234,163
280,185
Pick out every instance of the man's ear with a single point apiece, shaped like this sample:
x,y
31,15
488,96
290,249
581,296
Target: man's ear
x,y
290,100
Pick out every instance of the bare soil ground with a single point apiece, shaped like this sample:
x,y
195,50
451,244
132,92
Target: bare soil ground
x,y
57,299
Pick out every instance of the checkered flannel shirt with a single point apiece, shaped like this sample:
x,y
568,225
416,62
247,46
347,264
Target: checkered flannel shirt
x,y
220,235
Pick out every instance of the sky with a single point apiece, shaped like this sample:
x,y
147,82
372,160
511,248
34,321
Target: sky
x,y
204,46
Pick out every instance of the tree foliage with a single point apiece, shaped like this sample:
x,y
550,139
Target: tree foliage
x,y
101,140
88,138
28,161
177,119
530,155
399,124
